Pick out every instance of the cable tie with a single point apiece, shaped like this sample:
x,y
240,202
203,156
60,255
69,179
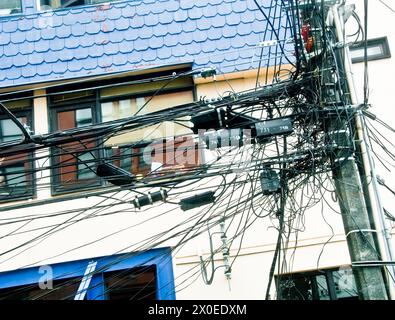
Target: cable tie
x,y
360,230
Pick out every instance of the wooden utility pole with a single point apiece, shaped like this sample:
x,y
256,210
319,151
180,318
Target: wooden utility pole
x,y
360,235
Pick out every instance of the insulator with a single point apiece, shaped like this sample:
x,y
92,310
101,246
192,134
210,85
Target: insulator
x,y
197,200
150,198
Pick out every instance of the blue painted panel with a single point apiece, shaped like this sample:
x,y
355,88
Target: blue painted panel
x,y
96,289
160,258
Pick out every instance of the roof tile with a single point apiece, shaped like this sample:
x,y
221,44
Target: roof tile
x,y
91,63
57,45
128,11
204,23
171,40
137,22
164,53
16,73
11,51
29,71
67,54
185,38
18,37
156,42
149,55
189,25
44,69
199,36
104,61
41,46
120,59
178,51
63,31
151,20
135,56
230,32
5,38
181,15
114,14
122,24
25,47
175,28
108,26
159,30
125,47
132,34
93,28
48,33
194,49
51,56
36,58
6,62
25,24
81,53
208,46
214,33
186,4
239,6
96,51
219,21
145,33
165,17
11,26
60,67
141,45
247,16
209,11
195,13
72,42
33,35
111,48
77,30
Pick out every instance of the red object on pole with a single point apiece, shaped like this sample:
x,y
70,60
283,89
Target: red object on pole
x,y
305,32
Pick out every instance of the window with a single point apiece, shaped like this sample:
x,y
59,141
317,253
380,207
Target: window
x,y
377,49
61,290
10,131
131,284
8,7
58,4
324,285
75,163
16,170
124,108
131,276
128,158
85,170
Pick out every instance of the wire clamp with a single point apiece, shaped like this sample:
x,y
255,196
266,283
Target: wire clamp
x,y
360,231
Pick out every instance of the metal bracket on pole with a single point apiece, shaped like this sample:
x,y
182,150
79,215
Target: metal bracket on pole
x,y
86,280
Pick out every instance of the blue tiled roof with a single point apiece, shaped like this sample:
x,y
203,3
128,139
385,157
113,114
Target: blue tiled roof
x,y
130,35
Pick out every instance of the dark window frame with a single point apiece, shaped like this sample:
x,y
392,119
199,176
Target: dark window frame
x,y
26,112
86,3
328,273
54,110
95,101
382,41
